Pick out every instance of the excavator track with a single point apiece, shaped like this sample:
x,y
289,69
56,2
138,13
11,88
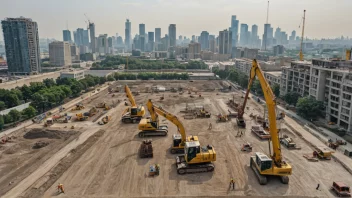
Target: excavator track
x,y
184,168
261,178
152,133
134,120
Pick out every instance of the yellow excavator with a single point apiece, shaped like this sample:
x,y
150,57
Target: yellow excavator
x,y
151,126
262,164
196,158
133,113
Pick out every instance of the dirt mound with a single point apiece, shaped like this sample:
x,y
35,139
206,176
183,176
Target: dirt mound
x,y
40,144
50,134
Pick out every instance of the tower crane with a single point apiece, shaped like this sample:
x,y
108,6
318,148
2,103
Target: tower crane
x,y
301,51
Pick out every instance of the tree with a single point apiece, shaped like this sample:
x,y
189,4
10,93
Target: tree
x,y
291,98
26,92
12,100
15,115
110,78
49,82
29,112
276,90
7,119
309,108
1,122
2,105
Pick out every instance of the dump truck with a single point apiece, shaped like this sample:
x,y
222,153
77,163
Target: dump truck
x,y
323,154
146,149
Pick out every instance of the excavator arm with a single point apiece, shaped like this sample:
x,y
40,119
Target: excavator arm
x,y
172,118
130,96
271,104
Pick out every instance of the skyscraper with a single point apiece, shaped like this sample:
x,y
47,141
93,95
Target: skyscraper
x,y
172,35
86,38
265,36
204,40
93,45
67,35
142,36
244,34
128,34
21,45
293,35
254,36
234,30
193,38
157,35
150,41
80,36
278,36
225,42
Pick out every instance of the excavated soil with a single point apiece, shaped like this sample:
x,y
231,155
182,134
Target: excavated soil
x,y
47,133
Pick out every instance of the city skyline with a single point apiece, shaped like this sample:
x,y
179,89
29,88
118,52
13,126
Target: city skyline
x,y
188,22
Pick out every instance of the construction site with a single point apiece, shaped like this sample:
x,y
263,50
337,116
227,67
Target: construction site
x,y
106,146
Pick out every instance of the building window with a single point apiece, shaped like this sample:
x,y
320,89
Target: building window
x,y
346,104
346,96
345,111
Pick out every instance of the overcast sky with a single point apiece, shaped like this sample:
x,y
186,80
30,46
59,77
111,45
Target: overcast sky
x,y
324,18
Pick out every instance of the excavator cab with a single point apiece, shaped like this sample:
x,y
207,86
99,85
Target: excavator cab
x,y
191,150
263,161
176,140
134,111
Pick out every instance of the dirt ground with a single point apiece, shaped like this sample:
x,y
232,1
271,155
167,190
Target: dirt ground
x,y
110,166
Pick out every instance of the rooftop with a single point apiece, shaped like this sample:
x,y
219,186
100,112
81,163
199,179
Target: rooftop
x,y
201,74
277,74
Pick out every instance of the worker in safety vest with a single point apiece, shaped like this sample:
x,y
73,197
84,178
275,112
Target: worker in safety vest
x,y
60,188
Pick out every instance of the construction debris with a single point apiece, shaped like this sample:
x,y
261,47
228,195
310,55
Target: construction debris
x,y
260,132
146,149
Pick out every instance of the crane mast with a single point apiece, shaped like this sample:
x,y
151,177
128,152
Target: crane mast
x,y
302,37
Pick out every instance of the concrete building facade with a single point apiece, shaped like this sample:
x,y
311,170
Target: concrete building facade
x,y
22,45
60,53
225,42
103,45
78,75
273,78
194,50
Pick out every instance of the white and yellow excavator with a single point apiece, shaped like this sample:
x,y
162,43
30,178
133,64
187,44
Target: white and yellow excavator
x,y
151,126
262,164
196,158
133,113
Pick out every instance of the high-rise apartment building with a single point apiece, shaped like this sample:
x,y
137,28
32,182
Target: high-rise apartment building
x,y
67,35
21,45
157,35
293,35
244,35
75,53
254,36
128,34
204,40
234,30
277,36
142,39
225,42
194,50
103,45
60,53
93,45
172,35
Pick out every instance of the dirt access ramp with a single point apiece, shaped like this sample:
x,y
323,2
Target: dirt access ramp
x,y
27,150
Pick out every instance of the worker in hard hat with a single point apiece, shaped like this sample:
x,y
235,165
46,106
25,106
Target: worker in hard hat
x,y
60,188
232,183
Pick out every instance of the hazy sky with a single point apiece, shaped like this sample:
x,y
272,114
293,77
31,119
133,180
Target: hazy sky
x,y
324,18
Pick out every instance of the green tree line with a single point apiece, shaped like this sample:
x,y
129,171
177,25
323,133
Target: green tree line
x,y
15,115
112,62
